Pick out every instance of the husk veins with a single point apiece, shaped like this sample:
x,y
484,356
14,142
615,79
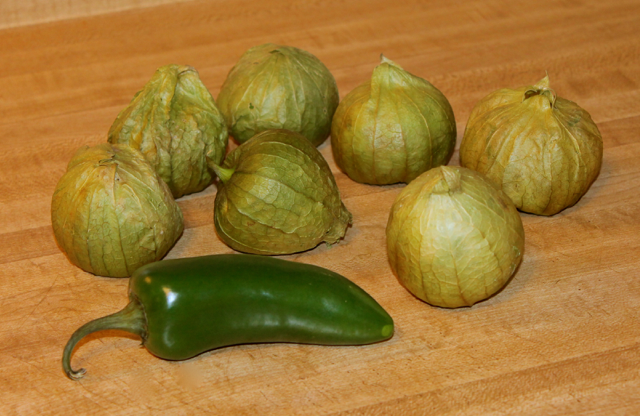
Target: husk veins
x,y
279,197
111,213
453,238
176,124
279,87
392,128
542,150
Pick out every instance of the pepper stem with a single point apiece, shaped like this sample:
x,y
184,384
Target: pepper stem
x,y
130,319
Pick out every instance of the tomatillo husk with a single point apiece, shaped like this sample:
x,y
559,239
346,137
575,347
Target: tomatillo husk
x,y
279,87
111,213
176,124
392,128
542,150
278,196
453,237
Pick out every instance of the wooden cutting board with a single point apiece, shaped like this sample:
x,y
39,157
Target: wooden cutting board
x,y
562,338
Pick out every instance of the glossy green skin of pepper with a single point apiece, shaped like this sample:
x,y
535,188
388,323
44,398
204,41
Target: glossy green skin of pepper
x,y
195,305
184,307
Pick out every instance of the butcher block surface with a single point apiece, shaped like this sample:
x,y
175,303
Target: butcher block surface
x,y
562,338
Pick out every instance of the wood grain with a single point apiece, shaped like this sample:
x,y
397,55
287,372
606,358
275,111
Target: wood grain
x,y
562,338
14,13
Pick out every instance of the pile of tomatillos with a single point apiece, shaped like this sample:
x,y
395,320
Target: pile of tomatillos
x,y
454,235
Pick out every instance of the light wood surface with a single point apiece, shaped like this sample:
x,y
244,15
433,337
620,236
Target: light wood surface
x,y
562,338
14,13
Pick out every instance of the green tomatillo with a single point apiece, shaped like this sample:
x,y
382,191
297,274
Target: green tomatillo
x,y
278,196
279,87
453,237
176,124
392,128
542,150
111,212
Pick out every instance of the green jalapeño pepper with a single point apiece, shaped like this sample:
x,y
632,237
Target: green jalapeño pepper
x,y
181,308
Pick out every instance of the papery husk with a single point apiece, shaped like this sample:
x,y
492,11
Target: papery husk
x,y
278,196
392,128
453,237
279,87
544,151
175,123
111,213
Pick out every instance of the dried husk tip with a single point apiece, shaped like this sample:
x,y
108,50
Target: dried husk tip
x,y
450,181
385,60
541,88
